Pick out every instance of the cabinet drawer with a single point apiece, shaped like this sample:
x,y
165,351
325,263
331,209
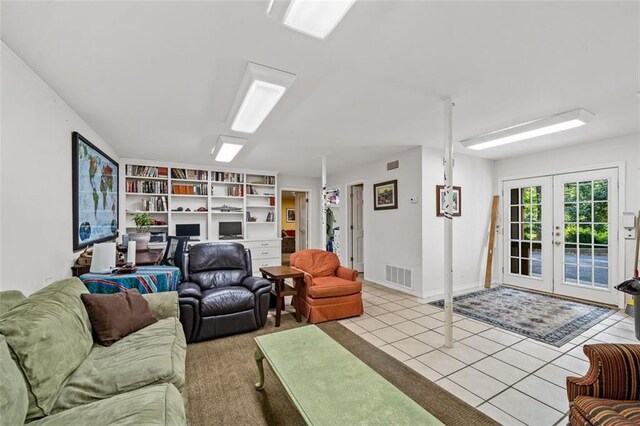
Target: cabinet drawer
x,y
257,264
265,253
261,244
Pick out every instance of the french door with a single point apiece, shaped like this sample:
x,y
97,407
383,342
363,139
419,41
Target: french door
x,y
561,234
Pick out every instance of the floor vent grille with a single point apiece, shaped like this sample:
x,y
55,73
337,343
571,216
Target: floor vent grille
x,y
399,276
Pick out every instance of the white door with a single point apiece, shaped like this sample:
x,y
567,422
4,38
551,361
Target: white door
x,y
357,228
560,234
528,245
302,210
586,235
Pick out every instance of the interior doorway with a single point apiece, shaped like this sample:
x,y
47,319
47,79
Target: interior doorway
x,y
356,227
561,234
294,222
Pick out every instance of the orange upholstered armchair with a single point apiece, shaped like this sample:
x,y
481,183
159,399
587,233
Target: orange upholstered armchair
x,y
609,394
331,291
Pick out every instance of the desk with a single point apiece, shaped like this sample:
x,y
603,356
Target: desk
x,y
147,279
147,257
278,274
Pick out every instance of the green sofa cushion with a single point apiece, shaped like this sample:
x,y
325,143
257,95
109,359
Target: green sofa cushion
x,y
50,336
153,405
13,389
152,355
9,299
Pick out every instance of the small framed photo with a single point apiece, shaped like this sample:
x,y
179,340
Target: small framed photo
x,y
385,195
291,215
457,200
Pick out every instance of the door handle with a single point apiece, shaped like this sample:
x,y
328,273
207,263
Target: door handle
x,y
557,243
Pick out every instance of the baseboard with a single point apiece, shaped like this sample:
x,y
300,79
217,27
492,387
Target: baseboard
x,y
393,287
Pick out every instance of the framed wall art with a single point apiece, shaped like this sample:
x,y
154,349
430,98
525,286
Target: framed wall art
x,y
457,200
95,194
385,195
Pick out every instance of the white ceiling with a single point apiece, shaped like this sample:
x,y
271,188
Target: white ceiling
x,y
157,79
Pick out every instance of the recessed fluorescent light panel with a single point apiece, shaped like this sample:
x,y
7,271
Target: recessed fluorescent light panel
x,y
316,18
260,90
227,148
532,129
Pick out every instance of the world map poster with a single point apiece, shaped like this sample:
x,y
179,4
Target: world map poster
x,y
95,194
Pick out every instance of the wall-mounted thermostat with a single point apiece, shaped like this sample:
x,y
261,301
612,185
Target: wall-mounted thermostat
x,y
629,227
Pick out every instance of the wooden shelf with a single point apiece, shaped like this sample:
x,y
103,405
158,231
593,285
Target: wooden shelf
x,y
189,180
267,185
183,212
216,212
227,196
218,182
260,207
145,193
260,195
146,178
144,211
189,195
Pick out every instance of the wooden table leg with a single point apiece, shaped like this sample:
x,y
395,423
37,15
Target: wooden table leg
x,y
279,283
259,356
298,283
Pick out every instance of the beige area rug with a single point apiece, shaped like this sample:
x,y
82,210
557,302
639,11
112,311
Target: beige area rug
x,y
221,374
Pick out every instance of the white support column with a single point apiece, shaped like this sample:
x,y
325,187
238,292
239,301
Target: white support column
x,y
448,223
323,213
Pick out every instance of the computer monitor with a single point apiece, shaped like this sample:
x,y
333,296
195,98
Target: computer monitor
x,y
188,230
230,229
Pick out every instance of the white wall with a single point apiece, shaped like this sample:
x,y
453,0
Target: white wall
x,y
470,230
314,187
624,149
36,223
390,236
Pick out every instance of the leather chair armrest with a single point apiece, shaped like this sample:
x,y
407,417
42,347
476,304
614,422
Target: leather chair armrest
x,y
163,305
608,376
189,289
346,273
255,283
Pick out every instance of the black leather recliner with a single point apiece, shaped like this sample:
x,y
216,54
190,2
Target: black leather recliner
x,y
219,296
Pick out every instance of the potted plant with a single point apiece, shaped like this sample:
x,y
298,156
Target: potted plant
x,y
142,234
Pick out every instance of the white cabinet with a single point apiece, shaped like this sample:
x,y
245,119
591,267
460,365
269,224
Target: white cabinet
x,y
264,253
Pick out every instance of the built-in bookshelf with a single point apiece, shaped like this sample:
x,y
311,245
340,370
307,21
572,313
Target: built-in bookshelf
x,y
179,195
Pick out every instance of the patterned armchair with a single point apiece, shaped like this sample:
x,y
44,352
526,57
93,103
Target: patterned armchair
x,y
609,394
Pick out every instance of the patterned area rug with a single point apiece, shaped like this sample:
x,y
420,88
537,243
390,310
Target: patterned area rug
x,y
546,318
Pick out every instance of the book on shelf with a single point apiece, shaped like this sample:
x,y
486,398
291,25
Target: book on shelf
x,y
154,204
189,174
147,187
261,180
193,189
227,177
146,171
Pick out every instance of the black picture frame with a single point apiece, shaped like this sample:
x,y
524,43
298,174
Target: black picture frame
x,y
385,195
457,200
77,142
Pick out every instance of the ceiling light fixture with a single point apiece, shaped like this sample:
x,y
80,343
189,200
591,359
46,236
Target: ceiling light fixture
x,y
316,18
532,129
260,90
227,148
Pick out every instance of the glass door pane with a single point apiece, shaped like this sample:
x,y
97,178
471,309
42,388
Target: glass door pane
x,y
585,217
586,233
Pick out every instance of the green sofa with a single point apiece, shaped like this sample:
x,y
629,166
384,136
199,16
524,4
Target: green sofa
x,y
53,373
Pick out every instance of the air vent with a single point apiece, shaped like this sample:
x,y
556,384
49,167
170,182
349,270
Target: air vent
x,y
399,276
393,165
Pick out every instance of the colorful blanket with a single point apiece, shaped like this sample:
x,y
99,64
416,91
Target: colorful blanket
x,y
147,279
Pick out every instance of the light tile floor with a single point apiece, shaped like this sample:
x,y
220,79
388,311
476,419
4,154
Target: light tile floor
x,y
513,379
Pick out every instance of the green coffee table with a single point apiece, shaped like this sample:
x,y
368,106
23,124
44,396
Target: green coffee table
x,y
330,386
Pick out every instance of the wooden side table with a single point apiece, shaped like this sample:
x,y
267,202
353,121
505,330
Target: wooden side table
x,y
278,275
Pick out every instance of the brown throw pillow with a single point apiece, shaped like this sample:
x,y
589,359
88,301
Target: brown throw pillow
x,y
114,316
